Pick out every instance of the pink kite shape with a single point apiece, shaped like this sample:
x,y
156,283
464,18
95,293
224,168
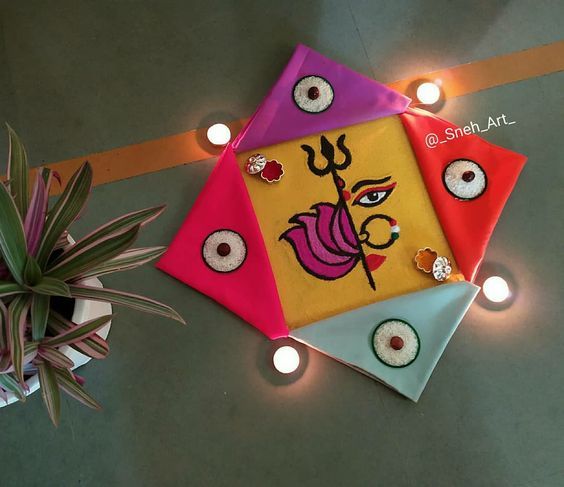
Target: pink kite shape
x,y
249,290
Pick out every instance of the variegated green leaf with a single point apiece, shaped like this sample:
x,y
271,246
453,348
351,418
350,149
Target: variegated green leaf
x,y
32,272
12,238
50,391
126,299
30,351
94,346
5,362
54,357
47,175
79,332
18,172
119,225
130,259
68,384
66,209
63,242
34,221
3,327
10,384
51,287
29,354
95,254
5,356
9,288
39,314
17,314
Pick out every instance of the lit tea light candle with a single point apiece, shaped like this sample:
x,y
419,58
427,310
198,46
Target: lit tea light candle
x,y
219,134
495,289
428,93
286,359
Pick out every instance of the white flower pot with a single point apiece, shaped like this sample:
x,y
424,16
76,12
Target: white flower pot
x,y
84,310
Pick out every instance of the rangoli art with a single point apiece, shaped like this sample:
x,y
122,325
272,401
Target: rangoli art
x,y
329,220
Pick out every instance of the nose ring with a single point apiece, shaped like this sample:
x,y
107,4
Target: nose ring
x,y
365,235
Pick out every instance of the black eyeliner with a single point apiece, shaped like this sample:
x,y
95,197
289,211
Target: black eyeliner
x,y
366,182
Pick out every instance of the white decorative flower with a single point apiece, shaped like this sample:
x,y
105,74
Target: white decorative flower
x,y
255,164
441,268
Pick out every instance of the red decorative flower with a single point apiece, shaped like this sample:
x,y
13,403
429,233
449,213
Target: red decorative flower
x,y
272,172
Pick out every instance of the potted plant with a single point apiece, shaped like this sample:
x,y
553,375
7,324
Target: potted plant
x,y
54,312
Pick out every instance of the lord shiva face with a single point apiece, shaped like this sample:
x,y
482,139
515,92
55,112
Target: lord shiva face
x,y
331,225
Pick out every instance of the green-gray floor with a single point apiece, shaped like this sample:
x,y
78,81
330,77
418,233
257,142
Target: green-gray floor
x,y
193,406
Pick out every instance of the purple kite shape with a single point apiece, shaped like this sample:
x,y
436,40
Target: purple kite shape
x,y
356,99
325,242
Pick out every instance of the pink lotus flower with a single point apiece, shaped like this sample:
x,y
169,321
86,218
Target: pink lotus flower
x,y
325,242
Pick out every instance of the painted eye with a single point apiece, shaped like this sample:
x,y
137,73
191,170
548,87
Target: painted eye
x,y
395,343
374,196
465,179
313,94
224,251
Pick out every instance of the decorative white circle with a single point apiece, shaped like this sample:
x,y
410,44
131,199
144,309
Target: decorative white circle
x,y
383,348
219,134
465,179
495,288
286,359
324,94
428,93
212,252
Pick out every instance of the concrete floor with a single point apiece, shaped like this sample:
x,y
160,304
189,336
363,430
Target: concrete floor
x,y
194,405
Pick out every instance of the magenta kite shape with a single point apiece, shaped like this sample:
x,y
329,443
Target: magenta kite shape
x,y
219,251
